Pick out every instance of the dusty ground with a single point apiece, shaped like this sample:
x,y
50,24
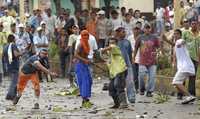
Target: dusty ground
x,y
144,108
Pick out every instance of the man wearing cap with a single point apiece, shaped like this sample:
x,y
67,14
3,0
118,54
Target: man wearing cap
x,y
115,21
104,29
45,30
147,45
133,38
29,71
126,49
23,42
40,40
7,21
128,24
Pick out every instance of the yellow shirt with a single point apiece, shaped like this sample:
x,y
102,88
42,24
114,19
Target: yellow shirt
x,y
116,60
3,41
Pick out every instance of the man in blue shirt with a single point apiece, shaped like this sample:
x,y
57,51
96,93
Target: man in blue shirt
x,y
29,71
126,49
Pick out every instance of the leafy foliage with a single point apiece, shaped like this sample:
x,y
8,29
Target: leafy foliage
x,y
161,98
53,50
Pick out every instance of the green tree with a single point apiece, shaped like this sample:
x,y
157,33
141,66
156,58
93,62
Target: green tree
x,y
58,5
77,5
107,7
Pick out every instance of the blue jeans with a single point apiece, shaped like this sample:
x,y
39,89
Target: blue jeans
x,y
150,71
130,85
159,26
12,91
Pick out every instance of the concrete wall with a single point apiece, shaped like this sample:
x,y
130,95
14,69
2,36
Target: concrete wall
x,y
143,5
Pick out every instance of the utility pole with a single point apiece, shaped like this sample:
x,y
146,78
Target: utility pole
x,y
21,10
177,17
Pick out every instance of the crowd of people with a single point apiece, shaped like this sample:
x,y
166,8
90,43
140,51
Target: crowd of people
x,y
132,41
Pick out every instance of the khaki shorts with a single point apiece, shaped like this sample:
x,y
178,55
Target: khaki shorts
x,y
180,77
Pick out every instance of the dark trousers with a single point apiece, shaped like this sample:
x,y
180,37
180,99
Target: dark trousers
x,y
63,61
5,67
135,72
1,76
12,91
101,43
192,79
117,88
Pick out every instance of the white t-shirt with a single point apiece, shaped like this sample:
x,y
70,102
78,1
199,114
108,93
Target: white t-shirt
x,y
116,23
184,62
128,27
40,40
132,40
160,13
92,43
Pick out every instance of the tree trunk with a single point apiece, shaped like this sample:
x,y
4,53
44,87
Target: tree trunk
x,y
77,5
58,5
107,5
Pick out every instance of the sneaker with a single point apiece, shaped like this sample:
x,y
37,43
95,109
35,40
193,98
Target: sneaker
x,y
132,101
10,97
188,100
36,106
105,87
141,92
87,104
149,94
179,97
114,106
15,100
123,106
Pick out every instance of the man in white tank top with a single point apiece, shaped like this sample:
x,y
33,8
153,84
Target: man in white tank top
x,y
185,67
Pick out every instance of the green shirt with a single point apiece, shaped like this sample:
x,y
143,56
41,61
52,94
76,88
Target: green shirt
x,y
117,64
193,43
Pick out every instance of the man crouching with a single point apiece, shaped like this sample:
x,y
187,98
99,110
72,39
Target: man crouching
x,y
29,71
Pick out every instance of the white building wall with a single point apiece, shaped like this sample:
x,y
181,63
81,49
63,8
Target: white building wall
x,y
143,5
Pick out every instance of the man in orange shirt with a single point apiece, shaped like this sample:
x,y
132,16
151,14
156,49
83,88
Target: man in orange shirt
x,y
91,24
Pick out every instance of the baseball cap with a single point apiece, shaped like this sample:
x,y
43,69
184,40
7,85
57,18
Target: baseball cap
x,y
185,20
119,28
39,28
21,25
27,14
42,22
101,12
